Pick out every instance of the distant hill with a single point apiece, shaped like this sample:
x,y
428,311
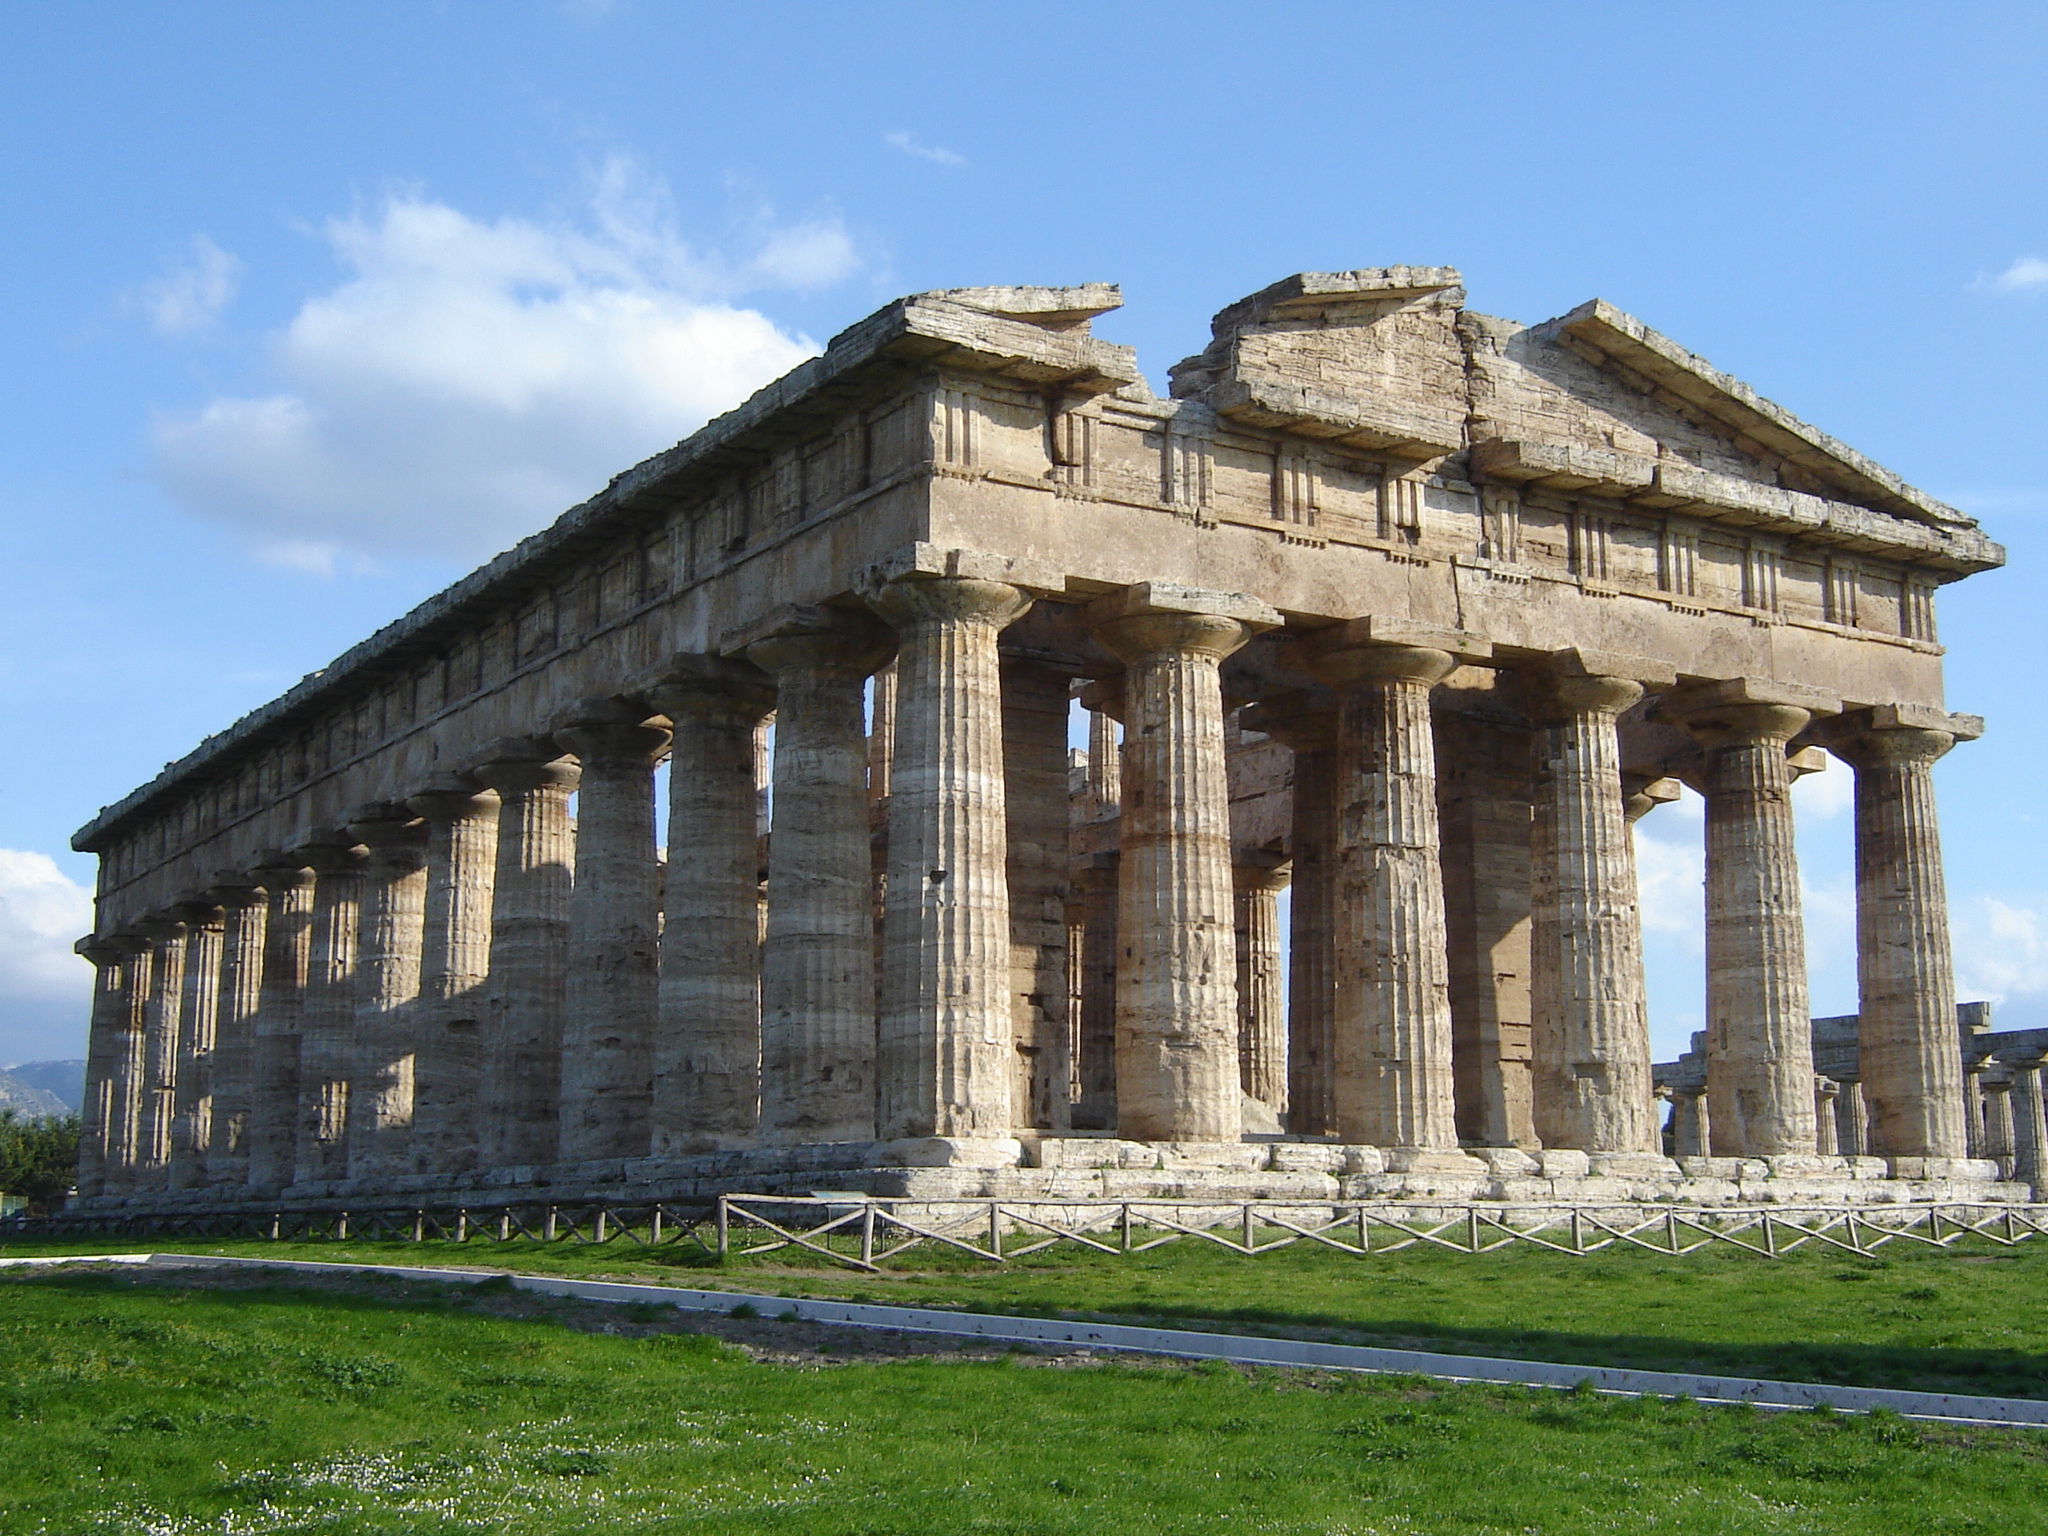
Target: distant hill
x,y
38,1088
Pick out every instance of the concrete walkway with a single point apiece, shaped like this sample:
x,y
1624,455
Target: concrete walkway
x,y
1243,1349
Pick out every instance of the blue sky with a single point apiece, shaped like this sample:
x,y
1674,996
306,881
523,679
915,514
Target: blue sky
x,y
311,308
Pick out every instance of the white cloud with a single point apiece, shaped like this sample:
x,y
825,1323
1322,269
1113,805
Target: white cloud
x,y
1825,795
2001,948
2025,273
902,139
45,989
470,379
1671,872
192,295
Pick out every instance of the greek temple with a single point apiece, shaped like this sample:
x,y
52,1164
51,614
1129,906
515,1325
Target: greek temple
x,y
736,832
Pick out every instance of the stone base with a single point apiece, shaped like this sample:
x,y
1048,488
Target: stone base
x,y
1101,1167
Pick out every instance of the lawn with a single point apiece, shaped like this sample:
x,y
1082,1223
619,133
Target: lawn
x,y
1969,1319
135,1406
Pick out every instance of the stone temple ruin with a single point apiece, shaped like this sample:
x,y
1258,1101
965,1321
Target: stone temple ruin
x,y
1417,608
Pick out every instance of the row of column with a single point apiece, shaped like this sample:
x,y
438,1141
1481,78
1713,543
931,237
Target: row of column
x,y
464,979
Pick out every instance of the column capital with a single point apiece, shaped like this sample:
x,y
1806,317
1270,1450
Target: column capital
x,y
1375,650
1104,696
332,853
1886,734
1746,711
1158,618
396,839
280,870
450,797
929,562
1261,869
916,600
516,765
611,732
160,928
234,889
1642,793
1299,720
691,686
100,951
846,643
197,909
1575,682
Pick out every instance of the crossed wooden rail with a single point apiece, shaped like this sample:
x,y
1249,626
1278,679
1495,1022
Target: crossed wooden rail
x,y
866,1233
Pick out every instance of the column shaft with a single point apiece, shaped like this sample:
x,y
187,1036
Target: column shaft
x,y
102,1056
818,958
1759,1029
1261,996
158,1106
1095,1104
522,1045
1591,1046
707,1049
1176,1060
287,971
393,923
327,1019
614,923
455,960
1039,872
198,1027
234,1049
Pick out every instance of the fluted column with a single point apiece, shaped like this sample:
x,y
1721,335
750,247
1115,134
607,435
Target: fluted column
x,y
2030,1120
818,957
198,1026
1393,1035
1826,1137
327,1019
1176,1061
707,1042
393,922
455,961
103,1052
1095,1040
1996,1081
1690,1134
1852,1133
243,902
287,970
614,924
1973,1103
522,1041
1759,1029
157,1107
946,1058
1040,876
1905,971
1314,837
1105,771
1261,1000
1591,1028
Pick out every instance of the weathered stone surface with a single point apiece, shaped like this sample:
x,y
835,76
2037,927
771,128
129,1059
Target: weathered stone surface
x,y
455,952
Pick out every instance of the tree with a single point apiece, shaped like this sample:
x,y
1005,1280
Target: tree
x,y
38,1158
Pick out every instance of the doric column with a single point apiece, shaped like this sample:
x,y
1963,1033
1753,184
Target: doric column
x,y
327,1019
522,1040
1314,836
1039,872
127,1067
455,963
1261,1005
393,922
1095,1039
1589,1016
103,1052
1393,1037
158,1100
1642,793
1105,771
707,1043
1689,1129
1759,1029
287,971
1852,1135
198,1026
1998,1127
818,958
1973,1103
1176,1066
614,927
1485,788
1826,1137
243,901
1912,1068
2030,1121
946,1038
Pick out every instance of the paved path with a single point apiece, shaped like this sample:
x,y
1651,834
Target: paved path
x,y
1244,1349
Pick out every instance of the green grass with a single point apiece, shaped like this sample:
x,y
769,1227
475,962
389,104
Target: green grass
x,y
1970,1319
128,1407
